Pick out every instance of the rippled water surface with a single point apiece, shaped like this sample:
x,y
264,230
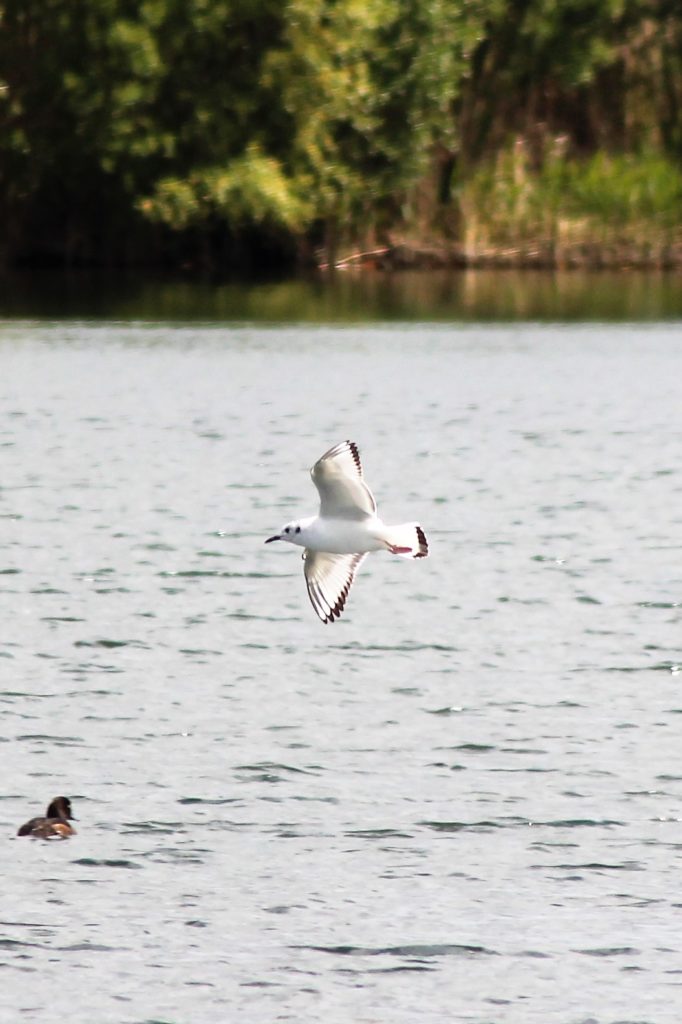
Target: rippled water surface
x,y
459,803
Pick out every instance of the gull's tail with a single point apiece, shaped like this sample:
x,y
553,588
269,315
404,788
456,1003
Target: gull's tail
x,y
408,540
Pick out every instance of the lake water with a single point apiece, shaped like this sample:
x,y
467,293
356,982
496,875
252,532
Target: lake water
x,y
461,802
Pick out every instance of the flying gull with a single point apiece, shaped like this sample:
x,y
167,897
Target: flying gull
x,y
338,539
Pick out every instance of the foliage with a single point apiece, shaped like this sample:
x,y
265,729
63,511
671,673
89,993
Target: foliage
x,y
249,189
129,131
632,200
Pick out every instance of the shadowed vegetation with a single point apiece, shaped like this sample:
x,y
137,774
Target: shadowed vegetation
x,y
218,134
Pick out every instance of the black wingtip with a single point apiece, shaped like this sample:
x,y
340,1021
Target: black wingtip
x,y
423,544
355,452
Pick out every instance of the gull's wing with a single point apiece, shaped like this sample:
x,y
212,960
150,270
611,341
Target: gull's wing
x,y
328,578
338,478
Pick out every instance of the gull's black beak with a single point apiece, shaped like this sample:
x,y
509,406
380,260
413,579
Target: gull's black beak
x,y
270,539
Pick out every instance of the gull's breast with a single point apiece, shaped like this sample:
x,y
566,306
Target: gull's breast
x,y
345,536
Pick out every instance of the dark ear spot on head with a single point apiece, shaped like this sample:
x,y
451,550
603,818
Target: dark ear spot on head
x,y
298,529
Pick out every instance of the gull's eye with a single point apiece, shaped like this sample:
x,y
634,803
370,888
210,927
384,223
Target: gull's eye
x,y
286,529
298,529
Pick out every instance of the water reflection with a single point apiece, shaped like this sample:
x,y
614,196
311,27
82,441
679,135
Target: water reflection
x,y
352,297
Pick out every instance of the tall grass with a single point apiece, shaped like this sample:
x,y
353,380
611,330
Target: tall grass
x,y
608,209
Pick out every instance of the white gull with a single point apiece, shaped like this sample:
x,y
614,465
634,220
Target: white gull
x,y
347,528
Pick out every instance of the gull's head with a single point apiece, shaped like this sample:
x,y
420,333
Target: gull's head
x,y
291,532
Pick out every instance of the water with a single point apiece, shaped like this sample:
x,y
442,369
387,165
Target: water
x,y
469,296
459,803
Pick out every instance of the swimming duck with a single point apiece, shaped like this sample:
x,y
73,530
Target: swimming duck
x,y
55,825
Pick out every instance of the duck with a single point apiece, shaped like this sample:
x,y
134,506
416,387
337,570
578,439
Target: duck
x,y
55,824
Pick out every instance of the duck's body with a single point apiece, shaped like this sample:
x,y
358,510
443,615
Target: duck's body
x,y
55,824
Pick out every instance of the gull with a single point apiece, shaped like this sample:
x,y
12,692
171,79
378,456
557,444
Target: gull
x,y
337,540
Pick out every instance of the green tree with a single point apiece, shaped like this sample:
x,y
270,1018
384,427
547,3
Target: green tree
x,y
194,129
368,88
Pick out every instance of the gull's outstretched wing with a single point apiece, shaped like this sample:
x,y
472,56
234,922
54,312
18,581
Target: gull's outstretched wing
x,y
338,478
328,578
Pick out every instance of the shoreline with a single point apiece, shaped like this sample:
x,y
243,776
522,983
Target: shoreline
x,y
438,255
